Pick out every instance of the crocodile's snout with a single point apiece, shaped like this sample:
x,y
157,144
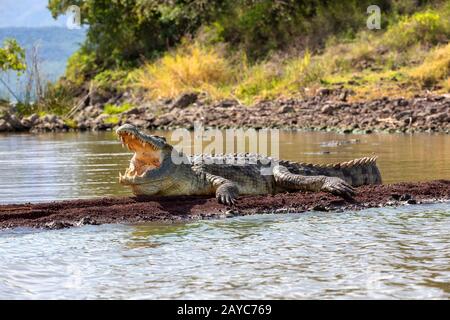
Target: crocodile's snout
x,y
148,152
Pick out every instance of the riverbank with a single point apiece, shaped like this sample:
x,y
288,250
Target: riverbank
x,y
64,214
328,110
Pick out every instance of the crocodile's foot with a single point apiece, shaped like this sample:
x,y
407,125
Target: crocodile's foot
x,y
227,194
338,187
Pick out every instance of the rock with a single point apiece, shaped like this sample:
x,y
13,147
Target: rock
x,y
32,119
86,221
102,126
132,111
403,114
4,126
405,197
49,118
440,117
285,109
327,109
343,95
323,91
14,122
401,103
184,100
232,213
54,225
395,196
140,123
320,207
25,123
227,103
101,118
91,112
82,126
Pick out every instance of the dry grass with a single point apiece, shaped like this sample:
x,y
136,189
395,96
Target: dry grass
x,y
435,69
189,68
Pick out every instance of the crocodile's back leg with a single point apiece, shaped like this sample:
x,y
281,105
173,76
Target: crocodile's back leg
x,y
355,172
291,181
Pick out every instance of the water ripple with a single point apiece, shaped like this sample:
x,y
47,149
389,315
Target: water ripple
x,y
377,253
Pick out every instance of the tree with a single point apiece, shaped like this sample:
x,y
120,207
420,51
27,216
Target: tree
x,y
12,57
122,31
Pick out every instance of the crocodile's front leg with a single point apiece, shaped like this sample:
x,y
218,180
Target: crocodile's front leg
x,y
226,190
292,181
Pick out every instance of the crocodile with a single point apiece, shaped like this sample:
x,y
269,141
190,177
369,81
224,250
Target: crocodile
x,y
157,168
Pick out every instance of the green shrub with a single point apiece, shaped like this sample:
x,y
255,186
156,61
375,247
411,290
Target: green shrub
x,y
429,27
113,109
117,78
72,124
112,120
81,66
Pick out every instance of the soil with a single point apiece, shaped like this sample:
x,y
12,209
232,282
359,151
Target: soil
x,y
72,213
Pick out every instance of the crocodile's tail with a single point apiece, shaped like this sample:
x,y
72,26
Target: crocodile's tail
x,y
355,172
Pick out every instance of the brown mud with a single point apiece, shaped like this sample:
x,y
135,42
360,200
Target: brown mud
x,y
62,214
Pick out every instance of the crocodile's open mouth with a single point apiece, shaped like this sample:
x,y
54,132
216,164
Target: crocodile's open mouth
x,y
147,156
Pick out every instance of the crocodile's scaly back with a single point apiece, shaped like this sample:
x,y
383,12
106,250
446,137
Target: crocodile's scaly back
x,y
356,172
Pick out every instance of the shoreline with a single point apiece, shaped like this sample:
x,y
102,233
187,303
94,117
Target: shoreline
x,y
323,112
129,210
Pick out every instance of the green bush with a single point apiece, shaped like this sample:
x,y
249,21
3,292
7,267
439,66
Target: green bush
x,y
81,66
112,120
429,27
113,109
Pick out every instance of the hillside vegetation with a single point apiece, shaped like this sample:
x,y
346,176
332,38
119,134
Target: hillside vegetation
x,y
253,50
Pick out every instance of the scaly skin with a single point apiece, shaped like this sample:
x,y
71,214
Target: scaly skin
x,y
153,171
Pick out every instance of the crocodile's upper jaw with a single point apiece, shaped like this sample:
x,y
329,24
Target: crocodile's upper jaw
x,y
148,152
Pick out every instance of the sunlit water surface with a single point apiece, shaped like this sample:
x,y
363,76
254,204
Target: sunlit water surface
x,y
378,253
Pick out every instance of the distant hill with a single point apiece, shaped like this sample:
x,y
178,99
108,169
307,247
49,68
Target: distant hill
x,y
55,46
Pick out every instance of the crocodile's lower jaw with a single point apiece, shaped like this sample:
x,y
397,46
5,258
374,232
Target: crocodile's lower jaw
x,y
146,157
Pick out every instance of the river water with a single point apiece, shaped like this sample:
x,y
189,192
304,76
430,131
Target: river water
x,y
377,253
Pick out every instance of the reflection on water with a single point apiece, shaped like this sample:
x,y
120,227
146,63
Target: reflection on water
x,y
377,253
83,165
59,166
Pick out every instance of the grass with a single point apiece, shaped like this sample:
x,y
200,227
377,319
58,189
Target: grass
x,y
191,67
72,124
112,120
412,54
435,70
113,109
